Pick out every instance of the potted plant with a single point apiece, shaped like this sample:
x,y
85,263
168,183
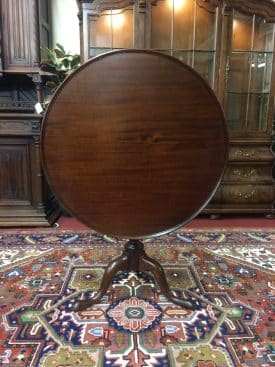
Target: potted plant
x,y
55,68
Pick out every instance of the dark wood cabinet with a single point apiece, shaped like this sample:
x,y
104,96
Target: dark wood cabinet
x,y
247,87
25,199
231,44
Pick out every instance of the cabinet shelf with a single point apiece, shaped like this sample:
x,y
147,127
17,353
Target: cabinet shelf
x,y
251,51
249,93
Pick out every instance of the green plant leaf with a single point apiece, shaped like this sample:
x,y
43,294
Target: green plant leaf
x,y
61,48
51,84
51,54
59,53
75,61
59,65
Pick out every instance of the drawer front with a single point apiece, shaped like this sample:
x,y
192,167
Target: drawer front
x,y
217,196
249,174
248,194
250,153
19,127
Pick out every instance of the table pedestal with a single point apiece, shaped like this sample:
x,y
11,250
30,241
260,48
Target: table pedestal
x,y
134,258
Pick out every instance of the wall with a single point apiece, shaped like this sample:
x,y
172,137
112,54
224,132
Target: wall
x,y
65,25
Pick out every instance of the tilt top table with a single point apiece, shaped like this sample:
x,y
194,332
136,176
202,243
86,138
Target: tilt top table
x,y
134,144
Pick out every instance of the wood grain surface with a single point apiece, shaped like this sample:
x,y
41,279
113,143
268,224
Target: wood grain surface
x,y
134,143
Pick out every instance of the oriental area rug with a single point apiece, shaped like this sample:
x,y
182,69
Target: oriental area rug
x,y
230,273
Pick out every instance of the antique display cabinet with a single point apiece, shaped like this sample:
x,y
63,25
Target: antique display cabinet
x,y
24,197
231,45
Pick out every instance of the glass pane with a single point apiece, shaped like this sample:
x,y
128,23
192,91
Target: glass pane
x,y
100,31
161,25
257,112
261,72
112,29
98,51
122,26
204,65
263,35
205,30
242,32
238,76
166,52
183,24
184,56
236,111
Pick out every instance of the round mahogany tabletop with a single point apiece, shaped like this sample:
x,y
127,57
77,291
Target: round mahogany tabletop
x,y
134,143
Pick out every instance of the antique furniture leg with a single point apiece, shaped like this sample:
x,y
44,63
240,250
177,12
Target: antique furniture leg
x,y
134,258
119,263
149,264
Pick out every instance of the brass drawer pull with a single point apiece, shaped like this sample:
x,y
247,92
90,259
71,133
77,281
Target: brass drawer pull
x,y
246,153
246,195
245,173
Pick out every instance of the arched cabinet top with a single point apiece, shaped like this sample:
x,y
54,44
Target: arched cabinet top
x,y
263,8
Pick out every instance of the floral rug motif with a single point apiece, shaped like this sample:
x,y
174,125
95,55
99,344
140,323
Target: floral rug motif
x,y
231,274
133,314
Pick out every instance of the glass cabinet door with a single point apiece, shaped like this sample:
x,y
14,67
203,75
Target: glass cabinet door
x,y
112,29
181,28
186,30
249,70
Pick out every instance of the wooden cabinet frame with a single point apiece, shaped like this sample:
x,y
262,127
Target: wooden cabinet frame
x,y
24,197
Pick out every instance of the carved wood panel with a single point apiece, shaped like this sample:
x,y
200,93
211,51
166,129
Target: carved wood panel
x,y
15,175
20,35
17,93
24,199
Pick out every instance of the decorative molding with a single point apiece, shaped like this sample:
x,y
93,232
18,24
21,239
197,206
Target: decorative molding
x,y
142,4
263,8
102,5
209,5
113,4
16,106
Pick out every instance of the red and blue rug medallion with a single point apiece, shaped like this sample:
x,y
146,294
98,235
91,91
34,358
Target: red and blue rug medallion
x,y
229,273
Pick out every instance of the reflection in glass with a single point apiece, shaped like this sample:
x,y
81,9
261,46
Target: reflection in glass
x,y
205,36
236,111
113,29
161,25
261,68
187,31
122,26
204,65
184,56
263,35
97,51
257,112
249,74
183,26
100,31
242,32
238,75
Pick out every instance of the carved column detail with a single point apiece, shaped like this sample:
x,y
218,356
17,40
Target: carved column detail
x,y
38,175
